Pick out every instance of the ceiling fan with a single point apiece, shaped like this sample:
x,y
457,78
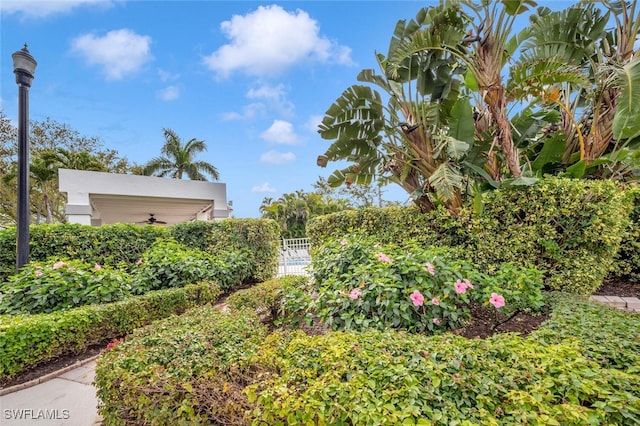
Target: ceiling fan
x,y
153,221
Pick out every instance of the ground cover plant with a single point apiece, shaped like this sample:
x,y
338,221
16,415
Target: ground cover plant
x,y
227,368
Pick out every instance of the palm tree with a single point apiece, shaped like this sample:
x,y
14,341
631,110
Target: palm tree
x,y
178,159
420,138
599,111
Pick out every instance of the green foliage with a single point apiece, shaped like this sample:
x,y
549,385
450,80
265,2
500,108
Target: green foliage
x,y
391,224
42,288
363,285
116,245
122,245
189,369
283,300
28,340
170,264
606,335
390,377
208,367
259,236
570,229
627,262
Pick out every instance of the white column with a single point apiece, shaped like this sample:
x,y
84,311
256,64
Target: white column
x,y
78,208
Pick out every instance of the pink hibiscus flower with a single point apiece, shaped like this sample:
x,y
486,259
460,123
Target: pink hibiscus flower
x,y
38,273
436,321
59,264
383,258
417,298
435,301
497,300
97,267
460,287
355,293
430,268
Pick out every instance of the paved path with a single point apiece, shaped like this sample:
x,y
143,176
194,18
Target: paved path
x,y
64,398
68,398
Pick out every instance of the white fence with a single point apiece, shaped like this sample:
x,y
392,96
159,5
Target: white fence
x,y
294,257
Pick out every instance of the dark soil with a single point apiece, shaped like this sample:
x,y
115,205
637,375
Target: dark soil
x,y
480,327
619,288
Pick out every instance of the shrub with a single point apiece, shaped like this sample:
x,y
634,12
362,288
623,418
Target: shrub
x,y
570,229
182,370
28,340
258,236
267,297
170,264
53,286
208,367
627,262
361,285
116,245
393,377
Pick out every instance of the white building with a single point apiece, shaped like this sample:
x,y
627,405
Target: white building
x,y
97,198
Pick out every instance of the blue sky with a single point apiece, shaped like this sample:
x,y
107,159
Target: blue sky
x,y
251,79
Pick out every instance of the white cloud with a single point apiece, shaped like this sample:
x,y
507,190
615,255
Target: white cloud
x,y
274,96
169,93
41,9
270,40
280,132
167,76
277,158
249,111
264,188
313,122
119,52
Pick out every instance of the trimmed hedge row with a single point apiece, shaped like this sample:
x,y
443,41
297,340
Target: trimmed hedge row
x,y
186,370
208,367
570,229
117,245
259,236
122,245
627,262
28,340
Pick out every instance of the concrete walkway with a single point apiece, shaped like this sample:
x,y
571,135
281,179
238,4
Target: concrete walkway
x,y
64,398
68,398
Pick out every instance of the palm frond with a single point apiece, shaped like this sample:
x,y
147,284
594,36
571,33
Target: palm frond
x,y
447,181
626,124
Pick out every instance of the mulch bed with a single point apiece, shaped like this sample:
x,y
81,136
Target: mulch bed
x,y
479,328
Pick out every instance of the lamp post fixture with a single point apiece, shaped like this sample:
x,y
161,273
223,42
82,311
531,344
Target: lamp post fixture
x,y
24,67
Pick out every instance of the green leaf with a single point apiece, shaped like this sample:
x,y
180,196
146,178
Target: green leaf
x,y
578,169
626,124
551,152
461,125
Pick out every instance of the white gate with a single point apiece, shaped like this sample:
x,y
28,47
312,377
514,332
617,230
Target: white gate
x,y
294,257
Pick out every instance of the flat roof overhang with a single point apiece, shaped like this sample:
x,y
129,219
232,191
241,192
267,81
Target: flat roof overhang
x,y
118,198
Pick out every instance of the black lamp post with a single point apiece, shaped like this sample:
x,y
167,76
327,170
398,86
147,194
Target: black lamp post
x,y
24,67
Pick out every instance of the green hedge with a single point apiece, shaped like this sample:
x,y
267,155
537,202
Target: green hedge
x,y
186,370
627,265
208,367
571,229
28,340
258,236
117,245
122,245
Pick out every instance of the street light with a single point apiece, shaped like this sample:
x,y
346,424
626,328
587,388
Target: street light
x,y
24,67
